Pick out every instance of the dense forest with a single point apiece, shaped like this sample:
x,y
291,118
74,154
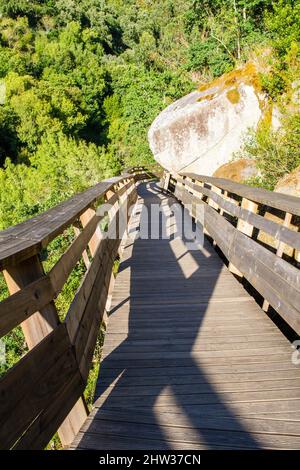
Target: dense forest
x,y
82,80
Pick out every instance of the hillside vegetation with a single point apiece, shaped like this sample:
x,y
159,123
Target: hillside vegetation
x,y
82,80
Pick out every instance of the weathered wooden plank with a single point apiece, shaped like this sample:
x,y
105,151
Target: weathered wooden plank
x,y
179,421
43,428
280,232
92,441
39,325
190,360
19,306
206,435
63,268
31,385
87,354
200,388
46,384
173,378
239,409
92,314
78,305
249,257
26,239
279,201
189,369
162,346
201,399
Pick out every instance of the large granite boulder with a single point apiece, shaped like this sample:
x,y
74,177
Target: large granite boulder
x,y
290,184
201,131
237,170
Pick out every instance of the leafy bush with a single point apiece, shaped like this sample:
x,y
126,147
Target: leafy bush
x,y
276,152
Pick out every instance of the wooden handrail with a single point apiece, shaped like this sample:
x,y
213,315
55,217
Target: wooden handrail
x,y
279,201
28,238
235,215
42,393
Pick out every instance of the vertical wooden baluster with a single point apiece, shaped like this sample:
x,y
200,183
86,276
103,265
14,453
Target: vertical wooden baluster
x,y
39,325
95,240
85,256
297,256
222,194
244,227
286,223
178,187
166,181
280,249
210,201
213,204
191,189
201,197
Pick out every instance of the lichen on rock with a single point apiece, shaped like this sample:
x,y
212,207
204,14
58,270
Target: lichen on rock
x,y
233,95
238,170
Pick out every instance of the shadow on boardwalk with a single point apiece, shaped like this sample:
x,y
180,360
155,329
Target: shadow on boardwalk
x,y
151,378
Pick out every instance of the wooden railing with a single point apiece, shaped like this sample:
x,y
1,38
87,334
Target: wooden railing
x,y
257,231
43,391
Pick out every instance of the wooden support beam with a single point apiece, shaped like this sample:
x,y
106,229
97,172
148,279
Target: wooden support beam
x,y
85,255
96,238
210,201
37,327
167,177
280,250
43,322
244,227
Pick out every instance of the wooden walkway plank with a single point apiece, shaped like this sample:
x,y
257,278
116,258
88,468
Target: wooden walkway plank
x,y
190,361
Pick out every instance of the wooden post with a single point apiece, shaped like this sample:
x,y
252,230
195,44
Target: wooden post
x,y
280,250
200,196
210,201
95,240
213,204
167,181
178,187
224,195
39,325
245,228
286,223
85,255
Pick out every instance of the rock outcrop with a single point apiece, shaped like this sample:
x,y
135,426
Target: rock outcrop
x,y
290,184
201,131
237,170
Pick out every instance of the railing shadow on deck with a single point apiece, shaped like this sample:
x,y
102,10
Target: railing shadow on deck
x,y
169,367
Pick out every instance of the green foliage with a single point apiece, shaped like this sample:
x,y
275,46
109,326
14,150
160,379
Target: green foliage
x,y
276,152
209,55
284,24
60,167
82,80
9,141
33,10
126,110
222,32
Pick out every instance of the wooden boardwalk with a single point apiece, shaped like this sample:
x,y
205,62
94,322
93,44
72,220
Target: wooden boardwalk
x,y
190,361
